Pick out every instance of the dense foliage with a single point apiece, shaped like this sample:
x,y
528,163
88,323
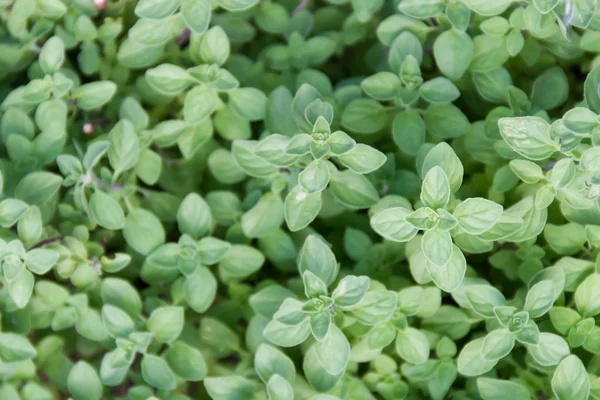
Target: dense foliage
x,y
284,199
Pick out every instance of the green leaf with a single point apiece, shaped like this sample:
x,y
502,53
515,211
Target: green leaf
x,y
489,53
459,15
376,307
279,113
445,121
287,335
570,380
301,208
315,177
114,367
157,9
319,114
236,5
381,86
37,187
290,311
565,239
272,17
340,143
437,247
586,296
527,171
408,131
439,90
453,51
52,55
15,347
496,389
168,79
497,344
564,319
240,262
449,276
279,389
350,291
83,382
214,47
248,103
486,8
30,226
91,96
116,321
269,361
435,192
21,288
494,86
193,216
200,289
11,210
39,261
166,323
124,147
405,46
550,350
266,216
229,387
470,363
186,361
106,211
553,79
153,32
484,299
199,104
514,42
364,116
196,15
391,224
591,91
443,155
540,298
266,302
156,373
120,293
362,159
412,346
316,257
353,190
143,231
272,149
477,215
422,9
528,136
334,351
136,55
580,120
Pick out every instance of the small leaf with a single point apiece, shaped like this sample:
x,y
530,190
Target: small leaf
x,y
196,14
156,373
83,382
477,215
570,380
106,211
435,192
94,95
412,345
166,323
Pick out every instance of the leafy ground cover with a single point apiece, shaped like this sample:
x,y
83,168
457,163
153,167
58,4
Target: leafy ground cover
x,y
311,200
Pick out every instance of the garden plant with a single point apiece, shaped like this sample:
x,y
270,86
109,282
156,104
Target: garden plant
x,y
292,199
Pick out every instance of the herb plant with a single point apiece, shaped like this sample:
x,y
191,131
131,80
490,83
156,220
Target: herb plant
x,y
310,200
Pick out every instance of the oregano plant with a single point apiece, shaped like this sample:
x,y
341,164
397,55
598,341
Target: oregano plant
x,y
299,199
